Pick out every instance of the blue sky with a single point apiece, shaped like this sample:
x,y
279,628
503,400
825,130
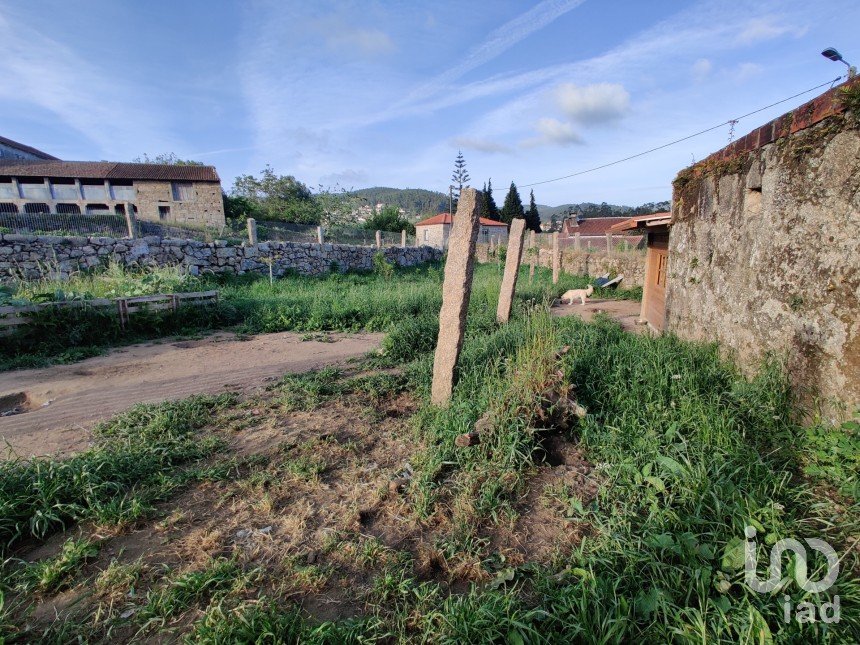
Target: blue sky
x,y
385,93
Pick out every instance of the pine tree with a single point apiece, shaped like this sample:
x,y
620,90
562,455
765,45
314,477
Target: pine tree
x,y
492,211
513,206
460,178
532,216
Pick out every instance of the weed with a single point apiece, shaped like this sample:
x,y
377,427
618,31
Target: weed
x,y
56,573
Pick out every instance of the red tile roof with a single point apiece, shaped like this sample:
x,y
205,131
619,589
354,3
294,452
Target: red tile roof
x,y
641,221
445,218
28,149
106,170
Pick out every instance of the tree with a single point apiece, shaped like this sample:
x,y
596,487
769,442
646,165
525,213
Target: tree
x,y
389,219
166,159
533,216
278,197
239,208
513,206
490,208
337,206
460,178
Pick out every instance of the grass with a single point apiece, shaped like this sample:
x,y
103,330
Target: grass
x,y
249,304
687,453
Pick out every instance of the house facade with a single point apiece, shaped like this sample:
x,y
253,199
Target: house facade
x,y
33,182
435,230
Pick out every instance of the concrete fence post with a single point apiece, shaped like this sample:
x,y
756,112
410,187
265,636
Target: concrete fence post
x,y
533,252
252,231
456,290
577,241
512,269
556,258
403,238
320,235
130,220
379,239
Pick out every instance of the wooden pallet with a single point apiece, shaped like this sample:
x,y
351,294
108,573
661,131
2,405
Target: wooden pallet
x,y
13,317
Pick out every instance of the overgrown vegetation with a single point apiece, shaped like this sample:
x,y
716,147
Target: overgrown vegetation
x,y
686,453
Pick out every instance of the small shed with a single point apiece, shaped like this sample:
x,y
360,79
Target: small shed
x,y
656,229
434,231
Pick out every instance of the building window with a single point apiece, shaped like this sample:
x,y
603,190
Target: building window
x,y
122,191
65,189
36,208
69,209
33,189
94,189
183,191
93,209
163,212
426,236
9,209
7,190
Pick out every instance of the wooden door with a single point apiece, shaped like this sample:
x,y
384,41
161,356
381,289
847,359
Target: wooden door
x,y
654,304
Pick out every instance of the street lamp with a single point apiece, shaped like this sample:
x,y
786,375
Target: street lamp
x,y
835,56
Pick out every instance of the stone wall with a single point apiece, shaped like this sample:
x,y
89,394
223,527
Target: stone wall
x,y
764,251
206,209
34,257
629,263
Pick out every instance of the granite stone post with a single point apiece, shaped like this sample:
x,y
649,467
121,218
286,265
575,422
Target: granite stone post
x,y
320,235
130,222
403,238
608,243
456,289
577,241
556,258
379,239
533,252
512,269
252,231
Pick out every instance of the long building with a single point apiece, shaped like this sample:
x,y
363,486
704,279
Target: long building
x,y
32,181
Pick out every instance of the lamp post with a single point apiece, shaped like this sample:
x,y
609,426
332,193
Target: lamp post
x,y
832,54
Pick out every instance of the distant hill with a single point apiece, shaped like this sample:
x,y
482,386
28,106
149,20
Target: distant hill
x,y
415,201
590,209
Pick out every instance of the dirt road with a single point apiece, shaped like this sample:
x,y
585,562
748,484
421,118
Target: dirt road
x,y
625,312
63,401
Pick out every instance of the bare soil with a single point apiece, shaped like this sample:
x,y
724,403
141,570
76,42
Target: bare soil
x,y
626,312
49,410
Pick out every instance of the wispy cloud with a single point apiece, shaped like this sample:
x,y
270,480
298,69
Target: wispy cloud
x,y
593,104
481,145
45,73
767,28
702,69
350,39
553,132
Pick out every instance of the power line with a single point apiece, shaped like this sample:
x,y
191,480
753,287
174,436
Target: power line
x,y
672,143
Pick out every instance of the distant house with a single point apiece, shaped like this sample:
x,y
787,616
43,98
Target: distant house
x,y
32,181
592,232
435,230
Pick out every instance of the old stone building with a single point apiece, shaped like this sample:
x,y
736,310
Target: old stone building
x,y
435,230
33,182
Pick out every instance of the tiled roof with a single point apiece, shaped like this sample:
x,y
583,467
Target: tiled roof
x,y
445,218
28,149
641,221
592,225
106,170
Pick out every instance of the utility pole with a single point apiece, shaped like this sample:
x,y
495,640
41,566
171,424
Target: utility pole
x,y
451,200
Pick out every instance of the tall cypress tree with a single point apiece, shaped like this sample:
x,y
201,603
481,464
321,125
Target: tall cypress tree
x,y
513,206
491,208
532,215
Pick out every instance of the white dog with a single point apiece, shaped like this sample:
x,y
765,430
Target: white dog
x,y
573,294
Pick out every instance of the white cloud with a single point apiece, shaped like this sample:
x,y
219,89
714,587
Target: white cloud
x,y
746,71
345,178
767,28
553,132
481,145
592,104
702,69
350,40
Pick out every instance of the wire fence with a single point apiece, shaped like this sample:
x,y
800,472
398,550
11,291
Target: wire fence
x,y
269,231
64,224
593,243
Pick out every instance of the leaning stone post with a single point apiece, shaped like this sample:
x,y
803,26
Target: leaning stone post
x,y
252,231
556,258
608,243
532,253
403,238
130,222
456,290
320,235
512,269
379,239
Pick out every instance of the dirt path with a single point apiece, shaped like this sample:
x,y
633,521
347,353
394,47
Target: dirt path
x,y
64,400
625,312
